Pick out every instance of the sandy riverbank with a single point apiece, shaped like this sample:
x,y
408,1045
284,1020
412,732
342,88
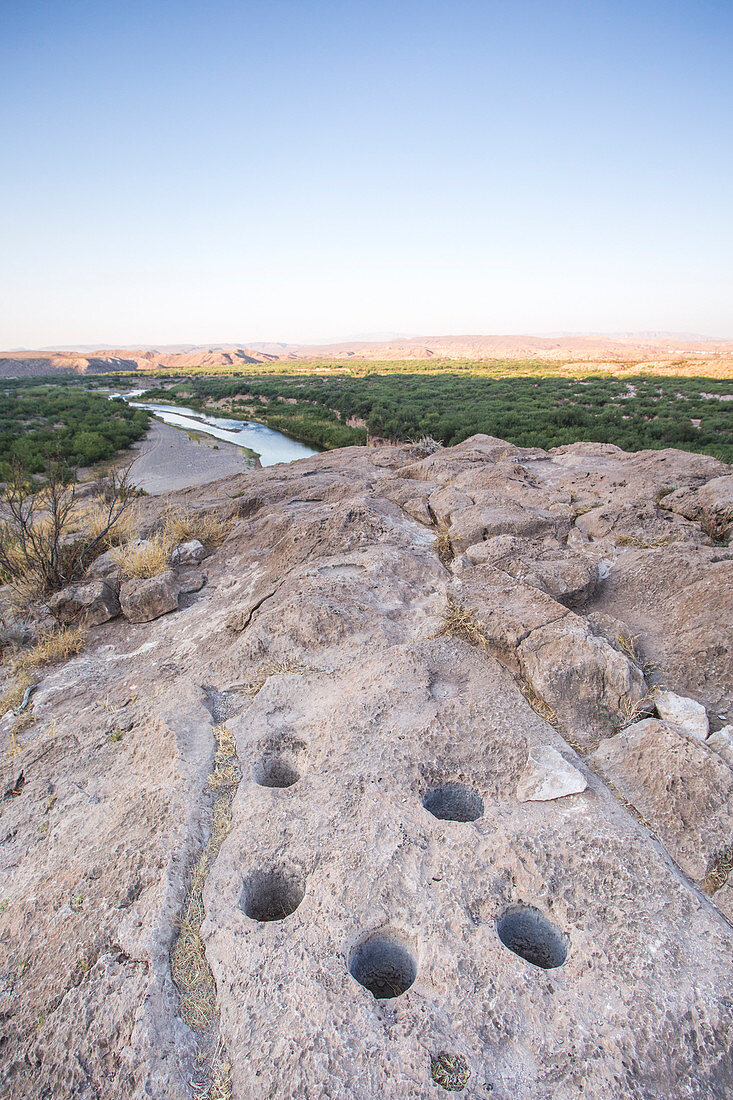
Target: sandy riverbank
x,y
169,459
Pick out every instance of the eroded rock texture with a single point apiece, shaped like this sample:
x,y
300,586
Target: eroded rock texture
x,y
383,902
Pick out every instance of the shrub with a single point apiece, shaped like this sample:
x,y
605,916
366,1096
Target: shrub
x,y
45,542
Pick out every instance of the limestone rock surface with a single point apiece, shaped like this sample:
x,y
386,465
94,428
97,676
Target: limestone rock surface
x,y
678,784
378,900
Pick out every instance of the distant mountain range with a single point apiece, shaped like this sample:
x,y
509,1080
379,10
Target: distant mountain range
x,y
633,347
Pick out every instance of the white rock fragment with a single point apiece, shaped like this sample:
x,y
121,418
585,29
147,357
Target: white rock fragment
x,y
548,775
687,714
722,742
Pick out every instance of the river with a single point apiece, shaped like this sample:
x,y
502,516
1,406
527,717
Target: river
x,y
271,446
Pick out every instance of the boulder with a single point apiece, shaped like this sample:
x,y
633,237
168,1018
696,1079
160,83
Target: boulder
x,y
585,680
106,565
93,603
143,600
681,788
548,775
570,579
188,553
686,714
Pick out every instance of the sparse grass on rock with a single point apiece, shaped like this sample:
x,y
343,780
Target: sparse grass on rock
x,y
461,622
181,525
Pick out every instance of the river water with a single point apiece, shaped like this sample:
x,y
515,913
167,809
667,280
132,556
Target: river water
x,y
271,446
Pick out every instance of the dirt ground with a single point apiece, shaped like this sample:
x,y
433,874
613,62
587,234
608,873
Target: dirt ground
x,y
169,459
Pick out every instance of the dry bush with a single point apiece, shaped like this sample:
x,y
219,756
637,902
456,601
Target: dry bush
x,y
92,522
45,541
183,525
424,446
145,559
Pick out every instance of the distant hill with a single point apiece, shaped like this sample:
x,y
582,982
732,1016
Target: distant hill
x,y
27,363
646,348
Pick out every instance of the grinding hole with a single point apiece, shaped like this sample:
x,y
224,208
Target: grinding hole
x,y
454,802
383,966
276,770
529,934
271,895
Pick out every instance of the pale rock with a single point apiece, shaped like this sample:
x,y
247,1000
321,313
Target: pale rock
x,y
548,775
687,714
188,553
722,742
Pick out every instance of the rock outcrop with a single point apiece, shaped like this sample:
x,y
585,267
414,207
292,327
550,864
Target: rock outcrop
x,y
400,796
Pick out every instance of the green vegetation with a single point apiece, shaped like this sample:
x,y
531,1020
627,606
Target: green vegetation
x,y
532,404
635,413
42,418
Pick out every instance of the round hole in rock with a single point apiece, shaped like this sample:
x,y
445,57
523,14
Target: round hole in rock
x,y
276,770
271,895
454,802
529,934
383,965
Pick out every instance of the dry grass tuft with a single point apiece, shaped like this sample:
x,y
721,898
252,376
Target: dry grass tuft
x,y
461,622
182,526
15,691
92,521
443,545
717,525
645,544
717,873
628,644
539,706
145,560
630,713
189,969
450,1071
268,669
56,645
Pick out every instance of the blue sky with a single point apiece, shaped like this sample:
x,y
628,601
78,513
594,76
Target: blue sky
x,y
179,172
